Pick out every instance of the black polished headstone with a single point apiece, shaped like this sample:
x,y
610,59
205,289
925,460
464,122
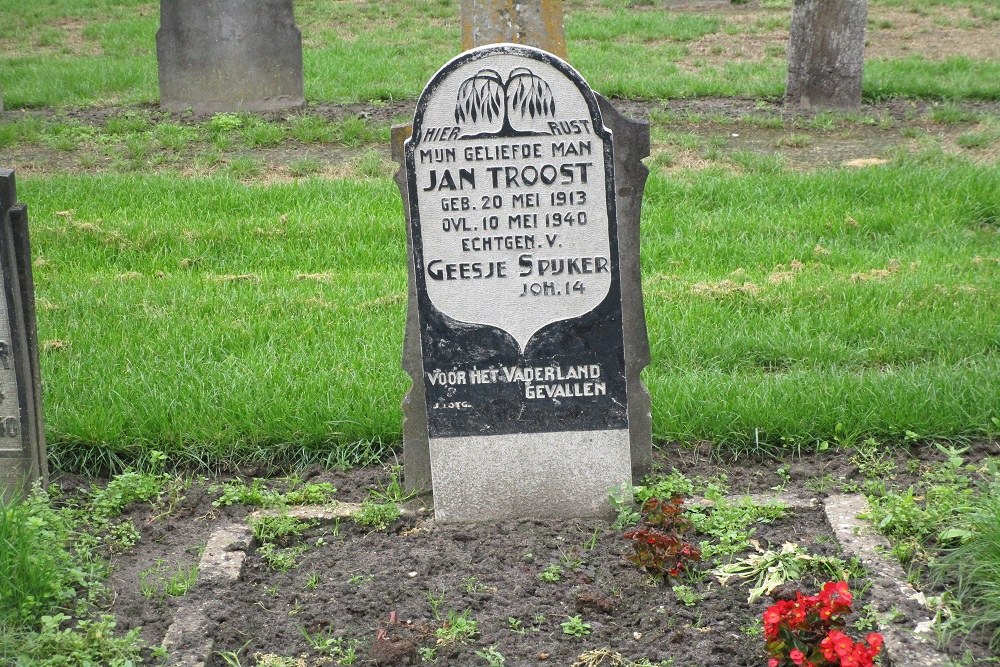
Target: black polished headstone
x,y
229,55
22,441
524,368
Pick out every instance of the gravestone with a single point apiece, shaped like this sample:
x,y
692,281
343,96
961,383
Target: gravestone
x,y
525,329
826,53
22,440
229,55
538,23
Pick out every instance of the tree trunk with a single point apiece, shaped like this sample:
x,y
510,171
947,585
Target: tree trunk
x,y
536,23
826,53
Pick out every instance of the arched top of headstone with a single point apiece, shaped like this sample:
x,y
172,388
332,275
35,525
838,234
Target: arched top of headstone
x,y
492,80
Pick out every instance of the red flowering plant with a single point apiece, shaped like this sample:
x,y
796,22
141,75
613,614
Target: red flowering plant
x,y
807,631
658,542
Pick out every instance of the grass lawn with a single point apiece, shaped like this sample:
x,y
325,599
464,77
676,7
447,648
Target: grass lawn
x,y
220,320
64,53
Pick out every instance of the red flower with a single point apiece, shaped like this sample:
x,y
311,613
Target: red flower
x,y
793,629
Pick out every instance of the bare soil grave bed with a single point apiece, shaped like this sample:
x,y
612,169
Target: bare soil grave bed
x,y
381,597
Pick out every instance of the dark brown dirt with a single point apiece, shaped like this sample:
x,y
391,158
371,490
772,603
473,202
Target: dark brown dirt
x,y
376,590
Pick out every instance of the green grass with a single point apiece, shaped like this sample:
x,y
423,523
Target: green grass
x,y
34,566
266,322
352,52
974,568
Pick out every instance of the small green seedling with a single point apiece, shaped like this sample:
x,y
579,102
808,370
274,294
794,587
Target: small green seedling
x,y
575,627
457,629
551,574
492,656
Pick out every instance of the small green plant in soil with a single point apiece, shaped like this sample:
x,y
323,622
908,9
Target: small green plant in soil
x,y
492,656
324,642
281,559
375,515
872,460
658,543
457,628
685,595
278,528
257,493
435,602
623,500
551,574
934,513
772,569
393,491
159,581
574,626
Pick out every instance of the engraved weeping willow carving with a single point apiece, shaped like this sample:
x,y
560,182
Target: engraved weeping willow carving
x,y
485,96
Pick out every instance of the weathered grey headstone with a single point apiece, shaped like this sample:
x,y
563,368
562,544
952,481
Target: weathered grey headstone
x,y
525,331
537,23
826,53
229,55
22,441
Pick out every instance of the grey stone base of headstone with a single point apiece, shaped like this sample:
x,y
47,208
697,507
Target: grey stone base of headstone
x,y
564,474
229,55
826,53
631,146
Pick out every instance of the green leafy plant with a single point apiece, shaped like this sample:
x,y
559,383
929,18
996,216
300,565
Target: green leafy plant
x,y
456,629
575,627
274,528
435,602
37,572
622,499
871,460
771,569
61,640
281,559
551,574
159,581
343,651
378,516
685,595
492,656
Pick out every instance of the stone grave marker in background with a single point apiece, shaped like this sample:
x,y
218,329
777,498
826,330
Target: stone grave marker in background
x,y
525,330
538,23
229,55
826,53
22,440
